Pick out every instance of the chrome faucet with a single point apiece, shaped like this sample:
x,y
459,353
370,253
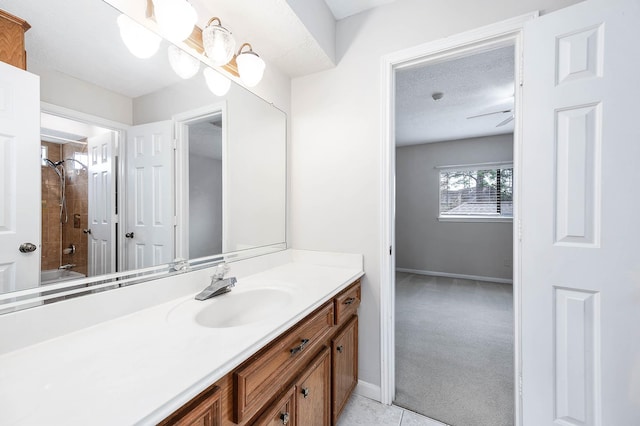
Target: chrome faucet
x,y
219,285
66,267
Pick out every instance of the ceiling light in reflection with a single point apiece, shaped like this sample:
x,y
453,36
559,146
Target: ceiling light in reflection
x,y
185,65
140,41
217,83
176,18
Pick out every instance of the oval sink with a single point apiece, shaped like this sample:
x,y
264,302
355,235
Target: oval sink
x,y
235,309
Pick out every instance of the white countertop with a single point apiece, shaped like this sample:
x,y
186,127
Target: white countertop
x,y
139,368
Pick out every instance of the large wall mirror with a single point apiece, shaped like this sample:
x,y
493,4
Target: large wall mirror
x,y
139,165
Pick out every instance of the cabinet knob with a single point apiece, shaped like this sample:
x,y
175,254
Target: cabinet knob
x,y
305,392
350,301
285,418
340,348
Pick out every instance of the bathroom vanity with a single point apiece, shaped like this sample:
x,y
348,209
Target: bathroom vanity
x,y
304,377
281,348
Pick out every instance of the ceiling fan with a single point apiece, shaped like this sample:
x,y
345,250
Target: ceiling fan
x,y
503,122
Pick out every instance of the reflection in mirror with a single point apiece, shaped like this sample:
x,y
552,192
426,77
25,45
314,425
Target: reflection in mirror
x,y
70,199
205,186
140,162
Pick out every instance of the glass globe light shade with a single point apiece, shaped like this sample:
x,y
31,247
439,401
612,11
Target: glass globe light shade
x,y
176,18
216,82
250,67
185,65
219,44
140,41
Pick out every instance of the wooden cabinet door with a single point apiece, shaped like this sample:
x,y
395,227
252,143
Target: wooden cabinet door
x,y
345,365
281,413
313,392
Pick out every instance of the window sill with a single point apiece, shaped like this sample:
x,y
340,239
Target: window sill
x,y
474,219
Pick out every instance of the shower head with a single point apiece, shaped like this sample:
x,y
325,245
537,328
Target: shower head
x,y
54,166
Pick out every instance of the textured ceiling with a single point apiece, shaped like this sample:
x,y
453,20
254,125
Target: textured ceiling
x,y
471,85
343,8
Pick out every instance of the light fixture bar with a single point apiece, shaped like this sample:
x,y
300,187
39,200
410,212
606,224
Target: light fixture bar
x,y
195,42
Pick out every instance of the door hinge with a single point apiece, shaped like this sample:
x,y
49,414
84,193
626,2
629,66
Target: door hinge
x,y
175,144
520,385
390,250
519,230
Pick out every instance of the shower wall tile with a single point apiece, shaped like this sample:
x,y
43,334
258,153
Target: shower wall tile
x,y
77,203
51,226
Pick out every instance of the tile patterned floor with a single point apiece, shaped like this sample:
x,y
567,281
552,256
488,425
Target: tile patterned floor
x,y
367,412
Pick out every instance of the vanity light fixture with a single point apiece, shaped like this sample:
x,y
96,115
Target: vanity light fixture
x,y
216,82
140,41
219,44
176,18
250,66
185,65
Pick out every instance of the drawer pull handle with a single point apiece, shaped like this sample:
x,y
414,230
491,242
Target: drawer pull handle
x,y
349,301
305,392
285,418
340,348
300,347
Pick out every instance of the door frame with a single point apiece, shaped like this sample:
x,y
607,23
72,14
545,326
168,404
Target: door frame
x,y
120,129
181,129
508,32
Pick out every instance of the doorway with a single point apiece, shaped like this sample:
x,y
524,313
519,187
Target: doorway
x,y
480,40
78,167
454,232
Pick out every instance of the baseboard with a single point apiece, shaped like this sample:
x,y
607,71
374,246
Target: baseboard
x,y
368,390
460,276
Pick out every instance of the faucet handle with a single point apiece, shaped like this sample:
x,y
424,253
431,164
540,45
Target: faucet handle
x,y
220,270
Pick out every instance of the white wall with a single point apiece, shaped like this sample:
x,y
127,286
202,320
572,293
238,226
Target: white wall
x,y
427,244
335,153
205,206
69,92
255,154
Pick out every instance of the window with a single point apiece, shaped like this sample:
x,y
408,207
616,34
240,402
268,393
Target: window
x,y
476,192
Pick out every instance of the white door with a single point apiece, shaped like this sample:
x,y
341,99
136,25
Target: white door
x,y
19,178
149,230
102,196
580,232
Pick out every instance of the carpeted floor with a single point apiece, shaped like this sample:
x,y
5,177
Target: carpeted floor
x,y
454,350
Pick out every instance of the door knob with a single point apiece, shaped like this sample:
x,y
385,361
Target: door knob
x,y
27,247
129,234
86,231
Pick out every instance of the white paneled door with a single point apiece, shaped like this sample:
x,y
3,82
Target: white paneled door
x,y
19,179
102,198
150,224
580,231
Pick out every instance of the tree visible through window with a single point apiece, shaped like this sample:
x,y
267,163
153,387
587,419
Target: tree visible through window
x,y
481,192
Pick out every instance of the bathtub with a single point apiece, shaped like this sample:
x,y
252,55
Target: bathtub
x,y
51,276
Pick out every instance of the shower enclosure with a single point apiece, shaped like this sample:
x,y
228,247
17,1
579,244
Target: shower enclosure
x,y
64,210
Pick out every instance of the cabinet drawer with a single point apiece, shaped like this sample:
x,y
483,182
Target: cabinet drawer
x,y
347,302
265,374
203,410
